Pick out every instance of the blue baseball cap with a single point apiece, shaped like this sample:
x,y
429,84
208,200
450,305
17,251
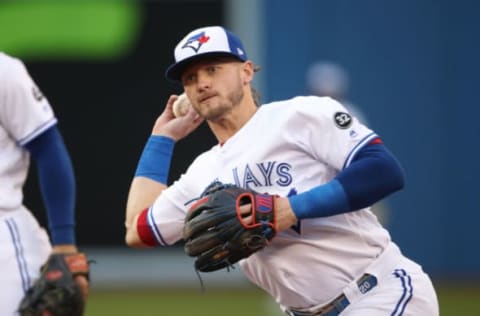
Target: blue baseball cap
x,y
203,42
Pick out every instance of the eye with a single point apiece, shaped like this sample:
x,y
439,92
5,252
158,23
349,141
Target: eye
x,y
189,78
212,69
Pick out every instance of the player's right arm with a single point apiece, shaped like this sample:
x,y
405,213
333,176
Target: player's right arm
x,y
152,171
143,192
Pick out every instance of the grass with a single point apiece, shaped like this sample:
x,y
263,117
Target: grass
x,y
180,302
459,299
454,300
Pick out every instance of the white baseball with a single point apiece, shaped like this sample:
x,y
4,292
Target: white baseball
x,y
181,105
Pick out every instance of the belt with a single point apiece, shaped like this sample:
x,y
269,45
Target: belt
x,y
335,307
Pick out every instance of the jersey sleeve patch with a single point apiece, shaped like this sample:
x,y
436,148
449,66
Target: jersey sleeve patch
x,y
342,119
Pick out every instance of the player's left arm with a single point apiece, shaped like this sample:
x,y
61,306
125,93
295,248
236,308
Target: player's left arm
x,y
373,174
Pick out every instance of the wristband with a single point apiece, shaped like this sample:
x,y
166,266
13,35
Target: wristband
x,y
155,160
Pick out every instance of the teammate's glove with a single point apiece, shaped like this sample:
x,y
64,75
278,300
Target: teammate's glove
x,y
217,234
56,293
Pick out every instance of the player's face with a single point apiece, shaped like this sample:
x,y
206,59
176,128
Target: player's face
x,y
215,87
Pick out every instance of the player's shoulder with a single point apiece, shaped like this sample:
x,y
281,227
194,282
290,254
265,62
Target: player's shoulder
x,y
11,67
8,62
6,59
205,158
303,106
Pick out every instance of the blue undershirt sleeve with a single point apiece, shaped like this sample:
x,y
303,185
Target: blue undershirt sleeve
x,y
57,184
373,174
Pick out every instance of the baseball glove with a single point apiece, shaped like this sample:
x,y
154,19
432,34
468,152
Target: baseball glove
x,y
218,235
56,293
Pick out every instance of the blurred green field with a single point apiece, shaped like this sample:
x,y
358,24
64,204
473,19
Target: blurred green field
x,y
454,300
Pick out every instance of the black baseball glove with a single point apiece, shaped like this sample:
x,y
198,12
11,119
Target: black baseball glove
x,y
216,232
56,293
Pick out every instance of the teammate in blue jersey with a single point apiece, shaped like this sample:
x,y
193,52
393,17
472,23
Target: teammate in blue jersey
x,y
28,129
331,256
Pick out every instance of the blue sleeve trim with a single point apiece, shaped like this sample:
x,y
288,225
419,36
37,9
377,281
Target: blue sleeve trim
x,y
57,183
373,174
358,147
156,157
154,228
39,130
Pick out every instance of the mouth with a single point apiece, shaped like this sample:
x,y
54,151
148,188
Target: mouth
x,y
206,98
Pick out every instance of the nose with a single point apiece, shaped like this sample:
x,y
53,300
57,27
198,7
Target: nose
x,y
203,81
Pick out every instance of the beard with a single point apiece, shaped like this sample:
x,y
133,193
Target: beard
x,y
223,104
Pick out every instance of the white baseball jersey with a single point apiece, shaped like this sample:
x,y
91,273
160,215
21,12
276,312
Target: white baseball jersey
x,y
24,114
287,148
301,146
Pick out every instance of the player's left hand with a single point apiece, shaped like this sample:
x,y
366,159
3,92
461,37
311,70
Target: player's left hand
x,y
218,233
61,289
285,217
176,127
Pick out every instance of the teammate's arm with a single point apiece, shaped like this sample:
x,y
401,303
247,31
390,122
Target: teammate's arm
x,y
153,167
57,184
373,174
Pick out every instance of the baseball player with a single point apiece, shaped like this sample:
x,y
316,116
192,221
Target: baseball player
x,y
330,255
28,128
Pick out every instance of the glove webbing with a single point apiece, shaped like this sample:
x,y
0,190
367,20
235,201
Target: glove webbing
x,y
230,266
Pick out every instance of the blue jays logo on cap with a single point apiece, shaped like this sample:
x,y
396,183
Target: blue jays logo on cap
x,y
204,42
196,41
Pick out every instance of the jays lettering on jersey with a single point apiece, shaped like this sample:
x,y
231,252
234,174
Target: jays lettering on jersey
x,y
305,142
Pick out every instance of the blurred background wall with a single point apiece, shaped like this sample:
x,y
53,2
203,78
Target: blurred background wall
x,y
412,70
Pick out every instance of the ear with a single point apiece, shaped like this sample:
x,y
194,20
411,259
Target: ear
x,y
247,72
